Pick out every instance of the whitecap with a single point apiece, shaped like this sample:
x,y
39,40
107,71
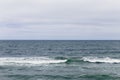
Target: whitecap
x,y
101,60
28,60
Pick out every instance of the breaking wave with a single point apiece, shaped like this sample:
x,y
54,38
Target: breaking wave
x,y
46,60
100,60
28,60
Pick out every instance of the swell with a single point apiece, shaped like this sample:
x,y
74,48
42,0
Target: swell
x,y
65,77
46,77
99,77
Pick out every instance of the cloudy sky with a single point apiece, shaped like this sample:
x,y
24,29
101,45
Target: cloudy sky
x,y
60,19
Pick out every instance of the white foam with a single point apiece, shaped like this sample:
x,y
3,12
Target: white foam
x,y
28,60
101,60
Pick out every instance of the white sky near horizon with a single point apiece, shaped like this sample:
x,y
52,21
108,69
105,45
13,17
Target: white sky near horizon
x,y
60,19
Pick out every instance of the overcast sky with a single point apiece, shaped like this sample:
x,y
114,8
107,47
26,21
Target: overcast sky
x,y
60,19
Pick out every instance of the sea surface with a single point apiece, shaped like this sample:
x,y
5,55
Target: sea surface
x,y
59,60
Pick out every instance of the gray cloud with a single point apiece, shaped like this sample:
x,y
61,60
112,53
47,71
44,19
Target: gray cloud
x,y
59,19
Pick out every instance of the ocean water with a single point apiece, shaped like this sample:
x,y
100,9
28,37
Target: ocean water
x,y
59,60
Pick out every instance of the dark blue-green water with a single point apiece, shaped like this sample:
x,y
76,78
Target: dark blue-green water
x,y
59,60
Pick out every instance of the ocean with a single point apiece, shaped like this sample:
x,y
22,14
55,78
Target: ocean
x,y
59,60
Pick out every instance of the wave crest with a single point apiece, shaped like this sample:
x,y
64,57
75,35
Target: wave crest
x,y
28,60
101,60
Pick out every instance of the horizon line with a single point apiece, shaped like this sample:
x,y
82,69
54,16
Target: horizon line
x,y
63,39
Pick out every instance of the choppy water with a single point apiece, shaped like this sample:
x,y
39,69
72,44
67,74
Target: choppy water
x,y
59,60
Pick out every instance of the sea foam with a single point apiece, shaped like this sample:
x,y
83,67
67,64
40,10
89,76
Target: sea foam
x,y
28,60
101,60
